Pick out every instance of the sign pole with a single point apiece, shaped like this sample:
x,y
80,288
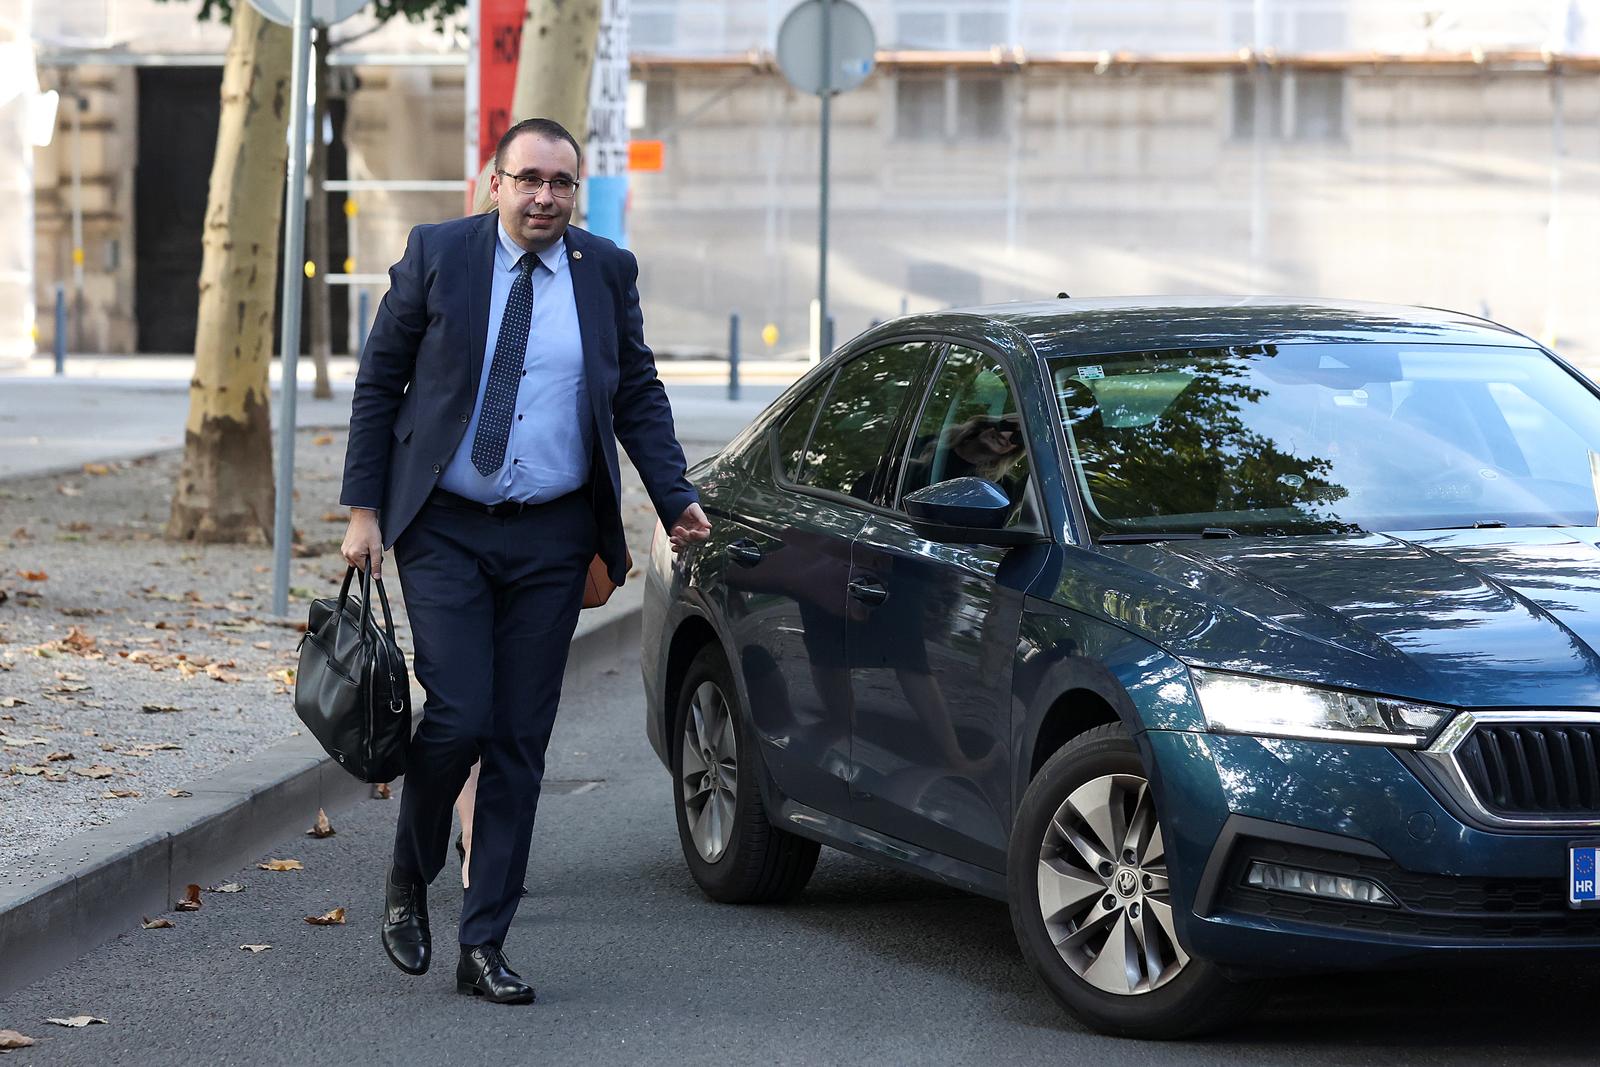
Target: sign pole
x,y
825,339
294,215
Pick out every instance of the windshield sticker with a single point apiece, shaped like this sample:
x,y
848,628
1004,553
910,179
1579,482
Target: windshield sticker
x,y
1091,372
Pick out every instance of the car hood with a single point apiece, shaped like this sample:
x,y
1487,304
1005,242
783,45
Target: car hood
x,y
1496,617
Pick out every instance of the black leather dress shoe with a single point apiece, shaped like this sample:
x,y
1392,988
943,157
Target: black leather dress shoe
x,y
406,937
483,972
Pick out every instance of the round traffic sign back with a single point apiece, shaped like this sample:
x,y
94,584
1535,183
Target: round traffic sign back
x,y
323,12
851,48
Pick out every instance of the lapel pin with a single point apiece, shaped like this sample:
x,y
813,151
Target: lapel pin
x,y
576,254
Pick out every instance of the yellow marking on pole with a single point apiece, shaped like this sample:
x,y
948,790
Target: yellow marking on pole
x,y
349,264
350,208
769,334
311,269
77,257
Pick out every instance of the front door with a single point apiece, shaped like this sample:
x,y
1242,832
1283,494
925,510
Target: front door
x,y
933,629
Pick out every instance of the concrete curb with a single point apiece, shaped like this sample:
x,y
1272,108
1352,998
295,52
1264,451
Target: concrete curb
x,y
100,883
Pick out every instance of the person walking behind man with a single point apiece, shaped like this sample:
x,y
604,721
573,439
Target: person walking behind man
x,y
503,366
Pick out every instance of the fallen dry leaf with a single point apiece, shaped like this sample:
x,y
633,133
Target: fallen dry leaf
x,y
76,1020
68,676
322,439
322,827
99,770
179,793
12,702
159,709
33,576
265,646
77,527
119,794
158,924
21,742
333,516
96,469
381,791
254,948
226,887
57,757
77,640
191,899
332,918
282,865
10,1039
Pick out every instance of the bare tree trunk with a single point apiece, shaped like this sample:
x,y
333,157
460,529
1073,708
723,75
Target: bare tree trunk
x,y
321,319
553,69
225,490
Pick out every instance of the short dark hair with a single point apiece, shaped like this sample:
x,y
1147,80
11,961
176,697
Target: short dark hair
x,y
549,129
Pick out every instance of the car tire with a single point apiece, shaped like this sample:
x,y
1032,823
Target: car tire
x,y
1102,941
734,853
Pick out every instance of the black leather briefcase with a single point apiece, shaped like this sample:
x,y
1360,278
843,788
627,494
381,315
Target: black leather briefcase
x,y
352,690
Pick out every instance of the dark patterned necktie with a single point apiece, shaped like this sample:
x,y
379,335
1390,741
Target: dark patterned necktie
x,y
505,372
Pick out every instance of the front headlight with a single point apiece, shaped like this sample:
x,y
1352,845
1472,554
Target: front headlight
x,y
1263,707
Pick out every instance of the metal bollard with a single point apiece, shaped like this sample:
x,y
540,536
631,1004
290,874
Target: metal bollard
x,y
61,328
363,320
733,356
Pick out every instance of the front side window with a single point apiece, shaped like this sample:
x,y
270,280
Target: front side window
x,y
969,428
855,426
1314,438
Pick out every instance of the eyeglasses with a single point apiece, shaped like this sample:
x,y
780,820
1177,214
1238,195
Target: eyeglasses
x,y
530,184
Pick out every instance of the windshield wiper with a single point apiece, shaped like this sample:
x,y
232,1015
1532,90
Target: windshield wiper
x,y
1481,524
1210,533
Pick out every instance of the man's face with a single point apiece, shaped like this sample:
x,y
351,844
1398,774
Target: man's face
x,y
534,220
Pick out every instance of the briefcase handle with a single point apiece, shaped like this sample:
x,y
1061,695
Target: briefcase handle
x,y
366,600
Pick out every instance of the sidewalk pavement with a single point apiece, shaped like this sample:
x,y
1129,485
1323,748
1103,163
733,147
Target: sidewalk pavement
x,y
124,407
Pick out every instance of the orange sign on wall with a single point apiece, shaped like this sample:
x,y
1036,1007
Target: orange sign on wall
x,y
645,155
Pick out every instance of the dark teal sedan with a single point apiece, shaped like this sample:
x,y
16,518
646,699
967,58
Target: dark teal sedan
x,y
1221,638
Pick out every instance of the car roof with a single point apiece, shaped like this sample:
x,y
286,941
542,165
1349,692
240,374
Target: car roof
x,y
1101,325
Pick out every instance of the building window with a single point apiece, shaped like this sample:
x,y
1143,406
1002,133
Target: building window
x,y
919,108
963,25
965,106
980,108
1318,106
1299,105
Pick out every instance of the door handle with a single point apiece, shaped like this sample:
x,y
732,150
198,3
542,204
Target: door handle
x,y
868,591
745,551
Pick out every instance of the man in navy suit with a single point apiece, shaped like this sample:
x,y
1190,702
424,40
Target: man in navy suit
x,y
505,362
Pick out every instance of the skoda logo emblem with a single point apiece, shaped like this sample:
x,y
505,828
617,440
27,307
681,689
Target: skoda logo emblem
x,y
1127,882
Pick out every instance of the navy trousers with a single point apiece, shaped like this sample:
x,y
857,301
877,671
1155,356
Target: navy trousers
x,y
493,601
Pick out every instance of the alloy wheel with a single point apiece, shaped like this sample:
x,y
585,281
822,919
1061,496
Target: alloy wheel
x,y
1103,889
709,771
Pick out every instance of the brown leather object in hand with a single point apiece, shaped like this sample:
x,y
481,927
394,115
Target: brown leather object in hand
x,y
598,586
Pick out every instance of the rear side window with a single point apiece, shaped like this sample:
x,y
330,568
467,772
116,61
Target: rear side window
x,y
796,429
855,427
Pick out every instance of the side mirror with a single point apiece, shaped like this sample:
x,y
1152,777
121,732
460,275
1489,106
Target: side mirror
x,y
965,510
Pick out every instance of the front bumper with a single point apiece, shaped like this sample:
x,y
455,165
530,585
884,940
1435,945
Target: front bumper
x,y
1357,811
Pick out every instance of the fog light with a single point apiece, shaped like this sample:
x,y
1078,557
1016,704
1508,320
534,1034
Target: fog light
x,y
1277,877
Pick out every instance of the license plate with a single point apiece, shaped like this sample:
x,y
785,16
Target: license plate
x,y
1583,880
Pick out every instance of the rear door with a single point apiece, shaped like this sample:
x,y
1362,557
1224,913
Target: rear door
x,y
789,564
933,628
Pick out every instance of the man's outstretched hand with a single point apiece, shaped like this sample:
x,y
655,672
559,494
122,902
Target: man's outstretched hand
x,y
691,528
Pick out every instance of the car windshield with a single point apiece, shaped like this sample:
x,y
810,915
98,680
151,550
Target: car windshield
x,y
1313,438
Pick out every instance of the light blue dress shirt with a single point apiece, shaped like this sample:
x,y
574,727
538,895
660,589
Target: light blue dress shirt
x,y
547,454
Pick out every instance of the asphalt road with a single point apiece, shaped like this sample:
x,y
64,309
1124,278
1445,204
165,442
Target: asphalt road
x,y
632,965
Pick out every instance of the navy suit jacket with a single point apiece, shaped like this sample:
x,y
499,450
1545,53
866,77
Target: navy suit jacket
x,y
419,375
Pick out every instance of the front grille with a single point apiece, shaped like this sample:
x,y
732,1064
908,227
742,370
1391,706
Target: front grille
x,y
1431,905
1525,768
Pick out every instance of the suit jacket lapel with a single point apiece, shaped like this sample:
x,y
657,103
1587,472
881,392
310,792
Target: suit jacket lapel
x,y
588,293
480,289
